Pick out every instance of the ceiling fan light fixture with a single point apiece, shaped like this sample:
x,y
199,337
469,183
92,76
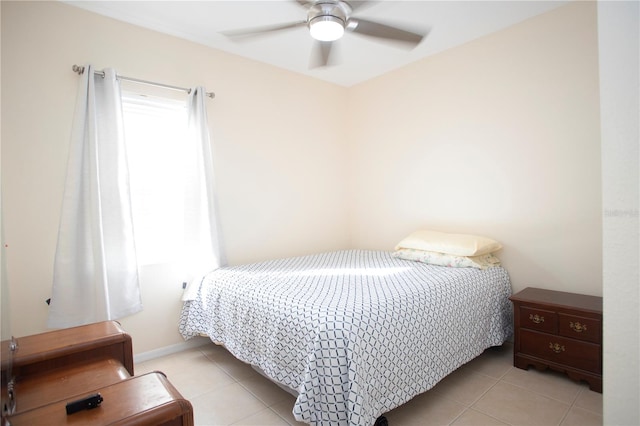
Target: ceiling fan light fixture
x,y
326,28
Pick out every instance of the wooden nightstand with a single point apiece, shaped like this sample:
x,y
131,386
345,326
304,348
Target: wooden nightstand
x,y
148,399
561,331
58,364
48,370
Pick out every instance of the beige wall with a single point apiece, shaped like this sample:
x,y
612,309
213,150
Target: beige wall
x,y
498,137
281,186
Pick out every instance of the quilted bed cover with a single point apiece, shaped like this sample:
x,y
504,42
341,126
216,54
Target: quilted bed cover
x,y
355,333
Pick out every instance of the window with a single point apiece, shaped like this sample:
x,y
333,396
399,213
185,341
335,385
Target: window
x,y
154,129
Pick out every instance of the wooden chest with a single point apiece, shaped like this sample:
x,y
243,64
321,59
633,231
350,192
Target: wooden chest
x,y
561,331
58,364
51,369
148,399
59,348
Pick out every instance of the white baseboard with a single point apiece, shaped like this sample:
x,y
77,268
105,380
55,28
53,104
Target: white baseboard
x,y
171,349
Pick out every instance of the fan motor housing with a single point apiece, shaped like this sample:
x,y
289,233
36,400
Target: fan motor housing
x,y
335,9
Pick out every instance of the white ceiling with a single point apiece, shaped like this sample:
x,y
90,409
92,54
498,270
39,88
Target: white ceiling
x,y
358,58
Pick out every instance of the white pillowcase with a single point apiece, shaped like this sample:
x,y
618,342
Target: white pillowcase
x,y
483,261
454,244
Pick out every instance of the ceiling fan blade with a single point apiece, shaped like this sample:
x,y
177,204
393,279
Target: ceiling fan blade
x,y
248,32
320,53
361,4
374,29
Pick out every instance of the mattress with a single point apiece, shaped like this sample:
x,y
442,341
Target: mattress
x,y
355,333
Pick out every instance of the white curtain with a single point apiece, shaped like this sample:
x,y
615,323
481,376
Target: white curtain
x,y
95,269
202,240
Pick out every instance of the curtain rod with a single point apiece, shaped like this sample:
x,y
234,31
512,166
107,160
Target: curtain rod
x,y
80,70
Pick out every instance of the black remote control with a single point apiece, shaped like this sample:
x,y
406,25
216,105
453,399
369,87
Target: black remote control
x,y
91,401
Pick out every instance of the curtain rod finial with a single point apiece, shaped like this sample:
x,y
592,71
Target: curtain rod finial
x,y
78,69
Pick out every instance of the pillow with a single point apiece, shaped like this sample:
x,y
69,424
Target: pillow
x,y
483,261
455,244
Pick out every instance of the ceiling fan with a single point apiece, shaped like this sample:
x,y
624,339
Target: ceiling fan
x,y
327,21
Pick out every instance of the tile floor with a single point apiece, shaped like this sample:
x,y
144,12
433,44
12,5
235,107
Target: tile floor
x,y
486,391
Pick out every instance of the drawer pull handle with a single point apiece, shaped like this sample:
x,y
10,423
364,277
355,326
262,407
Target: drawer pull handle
x,y
536,318
556,347
577,327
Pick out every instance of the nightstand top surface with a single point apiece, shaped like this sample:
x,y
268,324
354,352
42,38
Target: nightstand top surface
x,y
559,298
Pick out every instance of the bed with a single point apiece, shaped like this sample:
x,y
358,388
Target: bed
x,y
353,333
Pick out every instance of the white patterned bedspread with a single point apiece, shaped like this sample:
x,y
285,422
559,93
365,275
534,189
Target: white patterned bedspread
x,y
356,333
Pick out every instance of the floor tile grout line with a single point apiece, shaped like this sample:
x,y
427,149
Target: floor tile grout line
x,y
465,404
570,404
574,406
235,379
594,412
472,406
497,380
257,396
239,382
285,420
564,416
575,399
481,412
459,415
198,395
238,422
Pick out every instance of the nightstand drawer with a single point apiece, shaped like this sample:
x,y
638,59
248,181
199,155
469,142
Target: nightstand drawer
x,y
582,355
538,319
582,328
